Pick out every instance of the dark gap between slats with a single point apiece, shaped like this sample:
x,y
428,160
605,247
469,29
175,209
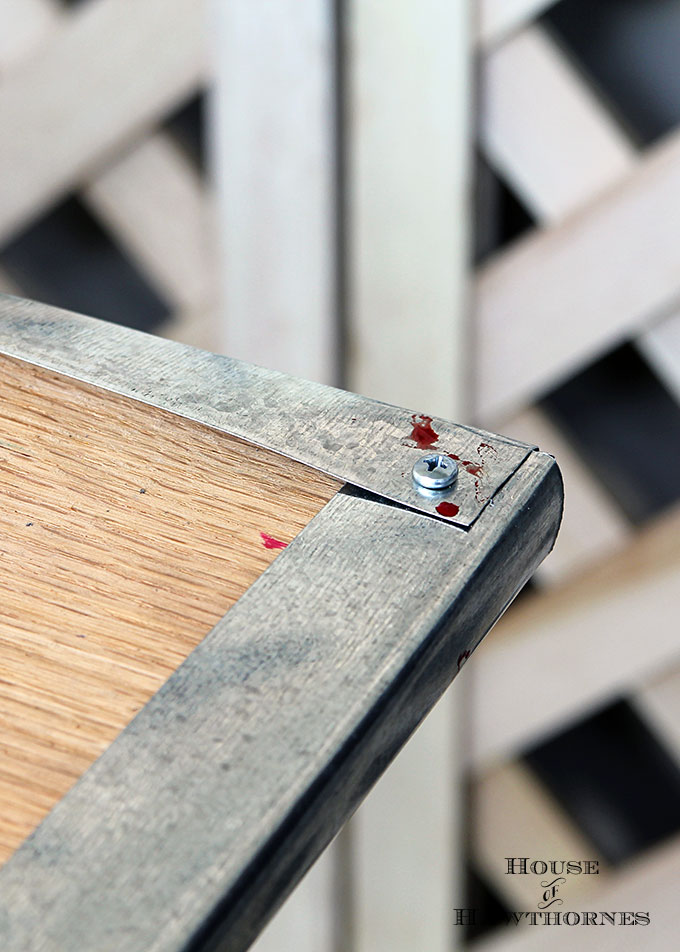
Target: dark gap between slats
x,y
499,215
614,779
626,426
629,49
187,127
68,260
489,909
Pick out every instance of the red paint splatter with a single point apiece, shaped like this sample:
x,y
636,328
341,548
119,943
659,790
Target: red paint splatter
x,y
422,433
474,469
462,658
480,448
489,447
269,542
448,509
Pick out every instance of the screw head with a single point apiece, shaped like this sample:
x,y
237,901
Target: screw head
x,y
435,471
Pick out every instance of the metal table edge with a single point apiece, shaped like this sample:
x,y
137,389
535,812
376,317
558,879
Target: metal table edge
x,y
130,855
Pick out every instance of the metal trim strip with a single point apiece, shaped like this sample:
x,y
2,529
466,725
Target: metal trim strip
x,y
368,444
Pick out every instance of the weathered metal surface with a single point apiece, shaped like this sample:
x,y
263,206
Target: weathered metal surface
x,y
199,819
369,444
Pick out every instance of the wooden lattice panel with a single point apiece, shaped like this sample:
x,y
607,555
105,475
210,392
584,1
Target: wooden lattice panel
x,y
599,267
131,176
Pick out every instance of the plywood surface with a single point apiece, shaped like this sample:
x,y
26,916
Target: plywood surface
x,y
125,534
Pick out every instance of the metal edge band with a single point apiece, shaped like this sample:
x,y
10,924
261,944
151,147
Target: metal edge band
x,y
193,826
369,444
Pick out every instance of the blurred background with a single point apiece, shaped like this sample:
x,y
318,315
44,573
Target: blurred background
x,y
466,207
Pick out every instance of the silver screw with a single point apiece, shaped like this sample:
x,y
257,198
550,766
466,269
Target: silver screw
x,y
435,471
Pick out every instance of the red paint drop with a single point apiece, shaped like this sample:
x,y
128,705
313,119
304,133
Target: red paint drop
x,y
422,433
462,658
269,542
473,469
449,509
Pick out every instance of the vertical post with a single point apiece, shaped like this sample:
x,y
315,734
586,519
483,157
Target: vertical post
x,y
274,163
408,74
408,216
274,157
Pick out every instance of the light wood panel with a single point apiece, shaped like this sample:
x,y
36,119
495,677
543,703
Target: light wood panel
x,y
407,840
154,202
661,347
563,280
408,172
649,883
592,526
498,18
133,76
25,23
658,702
196,328
126,533
555,656
513,814
305,920
544,129
148,195
275,164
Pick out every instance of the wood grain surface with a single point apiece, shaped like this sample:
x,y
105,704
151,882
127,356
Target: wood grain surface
x,y
125,534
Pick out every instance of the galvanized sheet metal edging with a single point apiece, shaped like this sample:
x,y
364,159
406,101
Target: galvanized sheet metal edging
x,y
363,442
